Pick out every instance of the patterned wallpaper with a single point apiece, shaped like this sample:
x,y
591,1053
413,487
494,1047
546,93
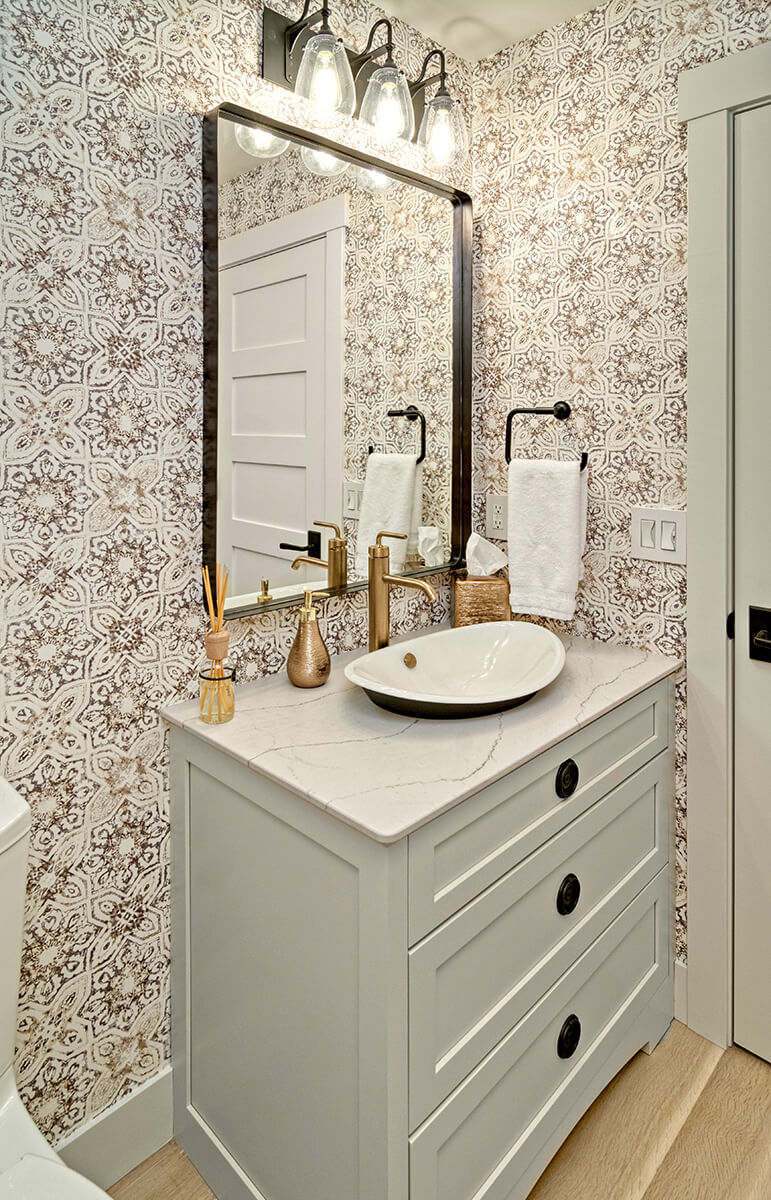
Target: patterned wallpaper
x,y
580,254
398,311
100,418
580,276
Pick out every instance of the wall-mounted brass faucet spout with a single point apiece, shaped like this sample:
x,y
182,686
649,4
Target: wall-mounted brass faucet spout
x,y
380,584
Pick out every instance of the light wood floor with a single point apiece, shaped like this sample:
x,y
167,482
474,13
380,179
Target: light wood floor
x,y
688,1122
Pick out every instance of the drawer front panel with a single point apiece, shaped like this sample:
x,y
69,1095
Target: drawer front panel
x,y
473,979
481,1140
458,855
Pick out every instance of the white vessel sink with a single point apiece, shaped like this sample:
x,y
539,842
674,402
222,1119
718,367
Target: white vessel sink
x,y
465,672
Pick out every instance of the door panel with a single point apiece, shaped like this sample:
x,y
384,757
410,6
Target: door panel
x,y
274,478
752,771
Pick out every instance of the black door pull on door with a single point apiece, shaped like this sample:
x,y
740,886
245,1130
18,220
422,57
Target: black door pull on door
x,y
760,634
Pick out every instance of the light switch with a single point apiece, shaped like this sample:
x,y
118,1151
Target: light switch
x,y
352,492
658,534
648,534
668,536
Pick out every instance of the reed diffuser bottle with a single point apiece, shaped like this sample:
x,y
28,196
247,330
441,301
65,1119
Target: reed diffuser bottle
x,y
217,699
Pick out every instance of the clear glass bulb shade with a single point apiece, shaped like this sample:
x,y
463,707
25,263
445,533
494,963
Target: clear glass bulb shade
x,y
322,163
259,142
443,132
325,78
372,180
387,105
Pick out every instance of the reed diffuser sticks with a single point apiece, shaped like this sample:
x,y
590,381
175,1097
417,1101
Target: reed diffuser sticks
x,y
217,683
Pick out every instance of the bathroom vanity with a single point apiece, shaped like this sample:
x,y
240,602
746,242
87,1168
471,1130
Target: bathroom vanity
x,y
409,954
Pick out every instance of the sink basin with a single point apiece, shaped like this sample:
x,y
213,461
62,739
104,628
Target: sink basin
x,y
466,672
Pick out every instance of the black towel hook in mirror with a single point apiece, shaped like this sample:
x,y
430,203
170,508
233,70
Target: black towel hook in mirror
x,y
412,414
560,410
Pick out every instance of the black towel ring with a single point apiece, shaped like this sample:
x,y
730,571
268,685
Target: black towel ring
x,y
412,414
560,410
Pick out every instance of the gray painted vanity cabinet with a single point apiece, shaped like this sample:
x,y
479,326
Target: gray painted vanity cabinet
x,y
425,1019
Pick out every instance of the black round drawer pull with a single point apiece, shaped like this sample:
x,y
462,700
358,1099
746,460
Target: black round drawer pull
x,y
567,896
567,779
570,1036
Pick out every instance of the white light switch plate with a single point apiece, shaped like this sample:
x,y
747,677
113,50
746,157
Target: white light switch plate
x,y
659,534
497,516
352,491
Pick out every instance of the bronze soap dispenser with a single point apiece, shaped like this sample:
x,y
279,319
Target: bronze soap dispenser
x,y
308,664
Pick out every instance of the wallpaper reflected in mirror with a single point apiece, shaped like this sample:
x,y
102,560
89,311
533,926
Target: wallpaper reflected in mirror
x,y
336,310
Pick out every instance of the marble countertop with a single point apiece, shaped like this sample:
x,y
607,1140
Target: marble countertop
x,y
386,775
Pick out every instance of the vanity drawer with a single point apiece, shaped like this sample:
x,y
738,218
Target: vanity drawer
x,y
458,855
472,979
481,1141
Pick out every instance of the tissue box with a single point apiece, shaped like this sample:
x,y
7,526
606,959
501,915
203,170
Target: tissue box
x,y
479,598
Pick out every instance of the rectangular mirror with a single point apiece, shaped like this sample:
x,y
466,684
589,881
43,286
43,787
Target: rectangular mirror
x,y
337,362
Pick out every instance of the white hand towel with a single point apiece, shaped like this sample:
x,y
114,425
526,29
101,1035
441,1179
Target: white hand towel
x,y
387,502
416,516
547,532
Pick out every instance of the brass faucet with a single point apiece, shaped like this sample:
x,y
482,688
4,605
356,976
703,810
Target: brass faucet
x,y
336,562
380,584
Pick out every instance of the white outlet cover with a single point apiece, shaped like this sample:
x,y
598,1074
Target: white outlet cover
x,y
669,528
496,516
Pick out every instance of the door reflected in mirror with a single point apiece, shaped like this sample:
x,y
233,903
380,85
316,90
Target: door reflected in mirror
x,y
336,362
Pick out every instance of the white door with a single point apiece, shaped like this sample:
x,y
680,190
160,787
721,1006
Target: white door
x,y
752,520
280,409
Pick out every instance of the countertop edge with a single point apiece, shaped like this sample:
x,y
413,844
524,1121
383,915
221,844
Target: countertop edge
x,y
388,833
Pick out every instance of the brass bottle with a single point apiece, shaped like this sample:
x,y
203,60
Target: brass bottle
x,y
308,664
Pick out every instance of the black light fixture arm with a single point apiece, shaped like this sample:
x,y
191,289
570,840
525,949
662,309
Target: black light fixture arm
x,y
423,81
306,20
368,54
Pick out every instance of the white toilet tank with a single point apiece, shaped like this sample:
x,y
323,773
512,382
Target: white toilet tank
x,y
14,843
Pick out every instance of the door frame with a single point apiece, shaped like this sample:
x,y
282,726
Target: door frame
x,y
709,97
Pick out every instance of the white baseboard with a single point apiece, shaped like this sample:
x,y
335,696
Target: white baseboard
x,y
681,992
124,1135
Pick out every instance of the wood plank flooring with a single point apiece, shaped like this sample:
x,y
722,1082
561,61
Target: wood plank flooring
x,y
688,1122
167,1175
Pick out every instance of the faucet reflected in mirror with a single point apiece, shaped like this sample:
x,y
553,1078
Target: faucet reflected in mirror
x,y
336,562
380,584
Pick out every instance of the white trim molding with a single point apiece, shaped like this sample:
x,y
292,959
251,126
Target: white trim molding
x,y
303,226
124,1135
709,97
681,992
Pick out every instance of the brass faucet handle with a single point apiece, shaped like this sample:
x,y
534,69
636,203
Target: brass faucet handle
x,y
385,533
264,592
330,525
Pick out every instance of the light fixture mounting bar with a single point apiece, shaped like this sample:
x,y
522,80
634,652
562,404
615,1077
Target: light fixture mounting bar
x,y
282,41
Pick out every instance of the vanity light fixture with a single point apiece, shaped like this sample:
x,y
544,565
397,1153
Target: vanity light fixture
x,y
387,103
442,130
324,75
311,63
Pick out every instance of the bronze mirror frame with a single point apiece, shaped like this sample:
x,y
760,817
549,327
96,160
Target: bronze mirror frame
x,y
460,505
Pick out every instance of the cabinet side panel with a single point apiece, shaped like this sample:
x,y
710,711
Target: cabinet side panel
x,y
274,983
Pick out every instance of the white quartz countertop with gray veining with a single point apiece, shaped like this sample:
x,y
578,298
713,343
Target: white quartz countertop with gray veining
x,y
385,774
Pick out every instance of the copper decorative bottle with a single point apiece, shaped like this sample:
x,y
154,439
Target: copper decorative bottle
x,y
308,664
